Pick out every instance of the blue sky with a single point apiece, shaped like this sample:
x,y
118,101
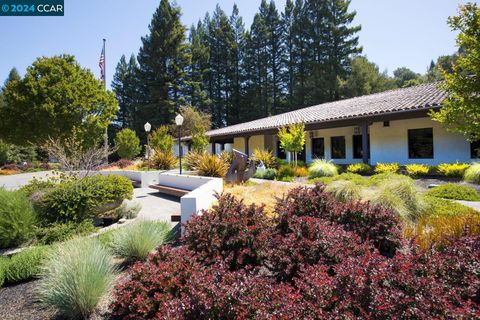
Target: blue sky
x,y
395,33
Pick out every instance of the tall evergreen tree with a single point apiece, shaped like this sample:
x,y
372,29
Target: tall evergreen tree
x,y
125,85
163,58
288,62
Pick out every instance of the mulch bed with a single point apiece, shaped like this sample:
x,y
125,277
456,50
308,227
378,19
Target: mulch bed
x,y
423,183
18,302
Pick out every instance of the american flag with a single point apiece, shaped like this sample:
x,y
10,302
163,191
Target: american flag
x,y
101,64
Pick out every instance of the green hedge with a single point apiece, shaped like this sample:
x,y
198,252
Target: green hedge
x,y
81,199
17,218
24,265
454,191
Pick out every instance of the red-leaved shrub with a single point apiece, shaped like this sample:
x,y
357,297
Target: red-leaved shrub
x,y
230,231
123,163
371,223
316,260
310,241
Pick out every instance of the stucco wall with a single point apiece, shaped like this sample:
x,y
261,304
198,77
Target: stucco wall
x,y
326,134
239,144
390,144
256,142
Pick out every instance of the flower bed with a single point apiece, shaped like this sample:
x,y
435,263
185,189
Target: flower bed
x,y
318,258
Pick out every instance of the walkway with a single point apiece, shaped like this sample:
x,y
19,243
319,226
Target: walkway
x,y
155,206
472,204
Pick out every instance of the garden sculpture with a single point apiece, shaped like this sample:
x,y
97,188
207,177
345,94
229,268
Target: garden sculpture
x,y
241,168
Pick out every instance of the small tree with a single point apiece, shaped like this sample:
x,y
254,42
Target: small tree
x,y
461,110
128,144
161,140
199,139
292,139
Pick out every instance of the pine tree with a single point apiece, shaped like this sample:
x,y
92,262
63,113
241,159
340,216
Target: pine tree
x,y
288,62
163,58
125,85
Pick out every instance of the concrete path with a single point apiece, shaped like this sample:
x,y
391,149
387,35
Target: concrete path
x,y
155,206
15,181
472,204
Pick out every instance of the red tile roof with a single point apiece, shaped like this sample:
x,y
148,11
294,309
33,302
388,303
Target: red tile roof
x,y
425,96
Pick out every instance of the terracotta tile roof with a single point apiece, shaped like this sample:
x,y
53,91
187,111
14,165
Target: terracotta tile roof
x,y
425,96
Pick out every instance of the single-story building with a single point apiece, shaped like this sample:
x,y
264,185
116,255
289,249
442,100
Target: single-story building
x,y
391,126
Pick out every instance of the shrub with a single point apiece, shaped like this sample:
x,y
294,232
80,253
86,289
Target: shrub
x,y
267,174
3,268
128,210
309,241
387,168
285,171
79,200
359,168
17,218
354,177
377,179
58,232
344,190
123,163
454,191
11,167
137,240
417,170
192,160
212,166
266,157
454,170
226,157
300,171
127,143
373,223
230,231
75,277
163,160
400,194
322,168
472,174
25,265
161,140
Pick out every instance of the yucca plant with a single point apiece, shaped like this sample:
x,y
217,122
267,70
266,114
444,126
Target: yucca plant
x,y
266,157
472,174
75,277
322,168
137,240
212,166
164,160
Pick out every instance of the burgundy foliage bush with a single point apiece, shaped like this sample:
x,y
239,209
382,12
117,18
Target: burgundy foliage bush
x,y
310,241
317,259
123,163
380,225
230,231
11,166
45,166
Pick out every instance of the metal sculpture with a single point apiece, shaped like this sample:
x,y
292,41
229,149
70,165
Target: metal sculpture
x,y
241,168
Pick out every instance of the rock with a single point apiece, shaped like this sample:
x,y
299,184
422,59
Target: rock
x,y
123,220
433,185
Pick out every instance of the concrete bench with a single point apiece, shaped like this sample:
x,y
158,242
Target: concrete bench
x,y
177,192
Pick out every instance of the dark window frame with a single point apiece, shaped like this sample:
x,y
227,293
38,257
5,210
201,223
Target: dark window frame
x,y
314,155
475,149
359,155
418,149
333,152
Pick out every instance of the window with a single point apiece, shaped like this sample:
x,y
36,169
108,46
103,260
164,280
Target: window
x,y
280,152
358,147
475,149
386,123
338,147
318,148
420,143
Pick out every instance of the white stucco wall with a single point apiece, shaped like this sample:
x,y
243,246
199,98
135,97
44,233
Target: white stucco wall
x,y
390,144
326,134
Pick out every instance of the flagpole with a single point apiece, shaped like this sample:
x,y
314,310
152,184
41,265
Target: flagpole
x,y
105,139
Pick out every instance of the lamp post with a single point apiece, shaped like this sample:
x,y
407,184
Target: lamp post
x,y
147,128
179,122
